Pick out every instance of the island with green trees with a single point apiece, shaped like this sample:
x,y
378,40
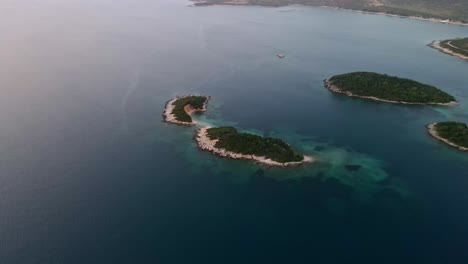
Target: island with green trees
x,y
179,110
385,88
454,134
447,11
230,143
455,47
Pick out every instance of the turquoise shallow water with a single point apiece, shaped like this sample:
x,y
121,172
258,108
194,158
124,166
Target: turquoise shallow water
x,y
89,173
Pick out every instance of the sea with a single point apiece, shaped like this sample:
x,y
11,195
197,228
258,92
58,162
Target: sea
x,y
90,173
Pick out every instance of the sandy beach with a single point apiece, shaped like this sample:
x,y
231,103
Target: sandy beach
x,y
436,45
170,118
432,131
335,89
205,143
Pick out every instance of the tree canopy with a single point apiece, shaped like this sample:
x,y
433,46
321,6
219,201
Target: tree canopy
x,y
197,102
454,132
243,143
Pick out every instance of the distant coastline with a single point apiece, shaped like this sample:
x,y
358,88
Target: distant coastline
x,y
207,144
336,89
246,3
434,20
431,128
436,45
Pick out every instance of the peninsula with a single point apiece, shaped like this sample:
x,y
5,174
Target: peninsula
x,y
455,47
385,88
454,134
228,142
179,110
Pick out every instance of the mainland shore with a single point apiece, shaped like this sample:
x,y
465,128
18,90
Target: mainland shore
x,y
436,45
434,20
246,3
170,117
329,85
207,144
431,128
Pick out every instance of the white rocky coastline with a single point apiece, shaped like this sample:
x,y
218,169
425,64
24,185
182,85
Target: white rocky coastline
x,y
207,144
169,117
436,45
329,85
431,128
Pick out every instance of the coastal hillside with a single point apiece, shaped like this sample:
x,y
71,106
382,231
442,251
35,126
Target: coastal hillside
x,y
456,10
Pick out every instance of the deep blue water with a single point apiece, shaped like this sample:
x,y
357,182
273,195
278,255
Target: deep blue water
x,y
89,173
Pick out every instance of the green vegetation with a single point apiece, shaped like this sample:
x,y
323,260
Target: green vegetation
x,y
275,149
389,88
459,46
456,10
197,102
454,132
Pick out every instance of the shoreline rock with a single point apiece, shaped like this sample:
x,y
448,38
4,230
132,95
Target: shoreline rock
x,y
329,85
206,144
433,132
168,117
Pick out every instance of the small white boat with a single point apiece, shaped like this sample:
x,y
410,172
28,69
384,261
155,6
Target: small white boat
x,y
281,56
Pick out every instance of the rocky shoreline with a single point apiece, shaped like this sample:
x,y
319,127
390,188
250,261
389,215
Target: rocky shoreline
x,y
169,117
436,45
329,85
433,132
207,144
